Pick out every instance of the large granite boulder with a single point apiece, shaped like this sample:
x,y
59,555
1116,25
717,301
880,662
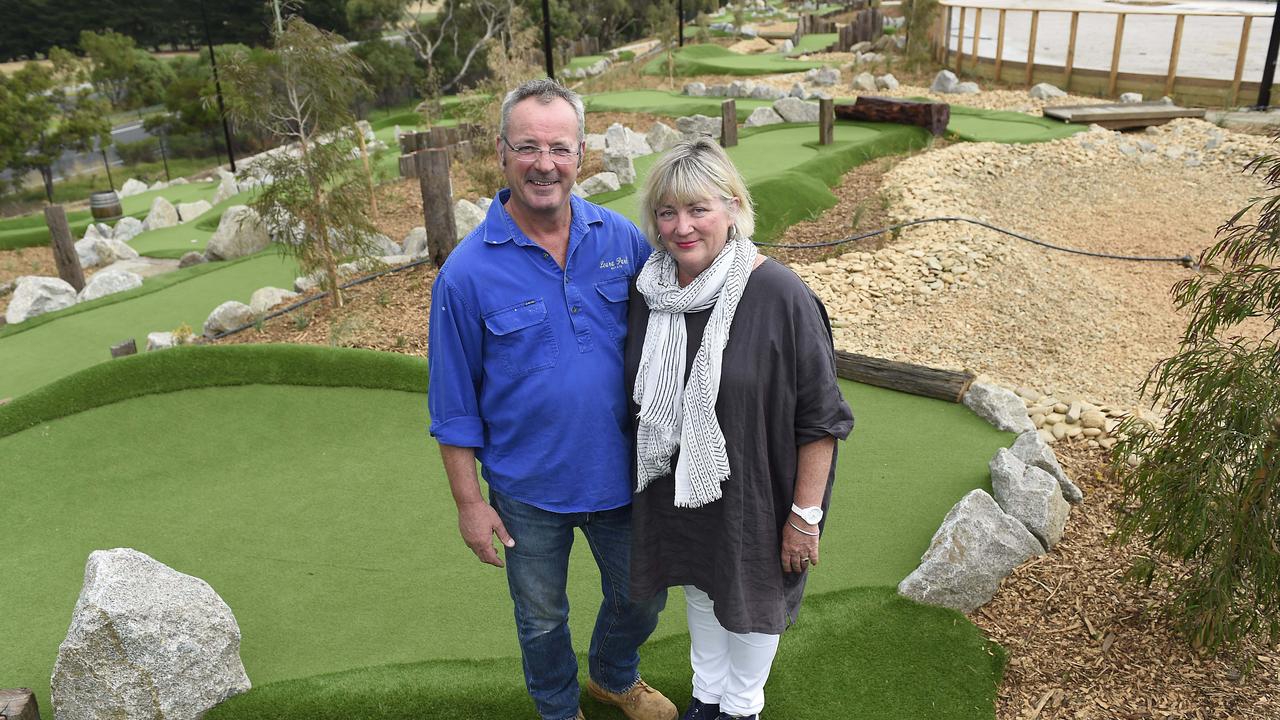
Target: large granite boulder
x,y
34,295
132,187
944,82
415,243
864,83
1031,449
767,92
1031,495
596,142
380,245
974,549
621,165
662,137
695,89
795,110
87,252
998,406
621,139
823,76
97,231
600,183
240,232
227,316
127,229
109,250
192,210
162,214
145,641
1045,91
699,125
109,282
263,299
763,116
887,82
466,217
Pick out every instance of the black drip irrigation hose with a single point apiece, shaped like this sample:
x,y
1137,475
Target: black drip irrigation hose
x,y
1185,261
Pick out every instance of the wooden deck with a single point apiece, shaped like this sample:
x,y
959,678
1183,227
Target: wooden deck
x,y
1118,116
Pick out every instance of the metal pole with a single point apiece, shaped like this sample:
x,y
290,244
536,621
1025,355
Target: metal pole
x,y
164,156
546,38
217,86
1269,68
107,164
680,20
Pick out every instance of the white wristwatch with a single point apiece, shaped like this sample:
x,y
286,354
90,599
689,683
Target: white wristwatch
x,y
811,515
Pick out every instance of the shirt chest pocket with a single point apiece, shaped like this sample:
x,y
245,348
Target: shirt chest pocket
x,y
521,337
614,293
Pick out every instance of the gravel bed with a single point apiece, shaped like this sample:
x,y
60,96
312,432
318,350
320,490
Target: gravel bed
x,y
959,296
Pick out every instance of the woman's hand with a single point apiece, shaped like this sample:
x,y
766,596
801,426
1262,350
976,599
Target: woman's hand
x,y
799,551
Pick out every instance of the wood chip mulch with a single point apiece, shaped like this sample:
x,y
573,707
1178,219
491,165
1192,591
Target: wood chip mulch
x,y
1085,643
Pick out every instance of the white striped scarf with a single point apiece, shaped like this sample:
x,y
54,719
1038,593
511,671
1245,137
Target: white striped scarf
x,y
677,414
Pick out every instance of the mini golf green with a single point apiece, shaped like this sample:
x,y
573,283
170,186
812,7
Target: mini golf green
x,y
582,62
715,60
787,171
975,125
30,230
52,346
301,484
814,42
658,102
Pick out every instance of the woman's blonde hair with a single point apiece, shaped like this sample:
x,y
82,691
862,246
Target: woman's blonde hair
x,y
691,171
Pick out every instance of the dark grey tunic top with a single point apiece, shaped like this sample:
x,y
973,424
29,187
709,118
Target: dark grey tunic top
x,y
777,391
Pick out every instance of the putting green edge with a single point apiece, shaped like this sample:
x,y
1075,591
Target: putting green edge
x,y
196,366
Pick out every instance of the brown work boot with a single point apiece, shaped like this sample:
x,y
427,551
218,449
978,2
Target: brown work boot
x,y
640,702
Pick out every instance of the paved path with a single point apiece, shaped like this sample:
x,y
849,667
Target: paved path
x,y
1209,43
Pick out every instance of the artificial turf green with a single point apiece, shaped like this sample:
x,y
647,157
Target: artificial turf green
x,y
177,240
814,42
976,125
79,337
582,62
30,230
856,653
787,171
322,516
669,104
715,60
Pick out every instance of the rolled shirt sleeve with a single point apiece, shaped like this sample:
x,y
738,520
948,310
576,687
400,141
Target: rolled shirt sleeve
x,y
455,337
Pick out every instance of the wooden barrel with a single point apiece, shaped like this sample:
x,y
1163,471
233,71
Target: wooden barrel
x,y
105,205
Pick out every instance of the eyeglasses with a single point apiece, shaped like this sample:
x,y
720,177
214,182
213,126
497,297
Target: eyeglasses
x,y
530,153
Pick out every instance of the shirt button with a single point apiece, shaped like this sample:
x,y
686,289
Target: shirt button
x,y
575,308
545,256
566,279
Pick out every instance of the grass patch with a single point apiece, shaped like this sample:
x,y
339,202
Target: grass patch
x,y
715,60
814,42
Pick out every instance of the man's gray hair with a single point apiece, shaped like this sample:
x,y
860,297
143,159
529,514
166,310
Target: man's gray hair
x,y
546,90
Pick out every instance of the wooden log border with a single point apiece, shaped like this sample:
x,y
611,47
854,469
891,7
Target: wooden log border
x,y
920,380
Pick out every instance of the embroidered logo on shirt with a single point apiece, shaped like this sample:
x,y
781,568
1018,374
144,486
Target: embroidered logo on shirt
x,y
617,262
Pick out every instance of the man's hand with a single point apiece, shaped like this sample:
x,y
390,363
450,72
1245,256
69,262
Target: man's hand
x,y
479,522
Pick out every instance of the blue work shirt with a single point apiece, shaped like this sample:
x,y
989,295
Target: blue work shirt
x,y
526,358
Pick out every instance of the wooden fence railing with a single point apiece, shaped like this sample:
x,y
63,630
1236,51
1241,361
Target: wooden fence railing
x,y
956,17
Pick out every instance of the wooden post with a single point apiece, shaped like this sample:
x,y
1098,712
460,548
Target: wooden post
x,y
1173,55
1244,48
64,247
1000,44
408,143
437,203
728,123
977,30
826,121
408,166
960,43
1115,54
946,40
1071,50
128,347
1031,45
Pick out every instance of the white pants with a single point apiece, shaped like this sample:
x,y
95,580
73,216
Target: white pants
x,y
729,669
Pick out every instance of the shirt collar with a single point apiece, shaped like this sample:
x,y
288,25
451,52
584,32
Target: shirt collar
x,y
499,227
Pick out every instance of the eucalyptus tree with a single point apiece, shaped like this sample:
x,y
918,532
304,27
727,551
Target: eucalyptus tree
x,y
1203,491
302,92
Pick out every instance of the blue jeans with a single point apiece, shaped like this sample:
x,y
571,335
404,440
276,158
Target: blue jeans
x,y
537,572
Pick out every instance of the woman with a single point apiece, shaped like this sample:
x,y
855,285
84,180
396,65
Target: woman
x,y
733,383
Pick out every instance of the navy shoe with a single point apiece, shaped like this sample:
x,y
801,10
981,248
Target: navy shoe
x,y
727,716
699,710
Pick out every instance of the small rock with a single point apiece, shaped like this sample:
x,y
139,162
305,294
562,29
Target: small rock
x,y
132,187
192,258
415,243
864,83
601,183
1046,91
263,299
662,137
695,89
796,110
621,165
823,76
887,82
967,88
1130,97
998,406
944,82
161,341
698,125
467,216
192,210
127,229
33,296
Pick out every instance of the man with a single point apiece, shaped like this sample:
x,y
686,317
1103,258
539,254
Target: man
x,y
528,320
